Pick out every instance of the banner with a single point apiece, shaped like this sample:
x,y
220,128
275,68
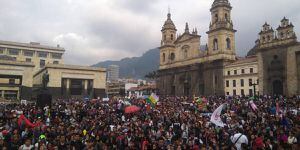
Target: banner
x,y
216,116
24,121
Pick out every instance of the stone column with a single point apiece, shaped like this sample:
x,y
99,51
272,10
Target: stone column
x,y
2,94
68,87
85,87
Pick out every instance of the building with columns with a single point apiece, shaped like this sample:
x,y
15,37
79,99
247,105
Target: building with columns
x,y
185,69
69,81
22,66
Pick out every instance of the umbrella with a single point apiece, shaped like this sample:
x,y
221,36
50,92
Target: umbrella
x,y
132,109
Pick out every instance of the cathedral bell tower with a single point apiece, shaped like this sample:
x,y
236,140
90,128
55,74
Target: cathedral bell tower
x,y
221,35
167,49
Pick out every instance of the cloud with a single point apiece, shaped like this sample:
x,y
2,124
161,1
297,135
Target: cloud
x,y
97,30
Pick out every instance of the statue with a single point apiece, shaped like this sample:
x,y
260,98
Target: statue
x,y
45,80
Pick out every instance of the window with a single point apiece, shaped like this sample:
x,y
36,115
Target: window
x,y
250,82
164,57
228,43
185,50
242,92
172,56
251,70
250,92
227,83
234,92
257,81
227,93
215,44
268,38
28,53
226,17
216,80
165,37
42,63
235,72
185,54
55,62
28,59
14,58
1,50
43,54
13,52
172,37
216,17
228,72
234,83
243,71
242,82
11,81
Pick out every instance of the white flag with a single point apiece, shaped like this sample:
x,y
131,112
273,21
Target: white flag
x,y
216,116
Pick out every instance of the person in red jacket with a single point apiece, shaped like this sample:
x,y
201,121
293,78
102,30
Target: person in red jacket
x,y
258,142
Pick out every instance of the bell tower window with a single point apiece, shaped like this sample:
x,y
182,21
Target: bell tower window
x,y
215,44
172,37
164,57
165,37
226,17
228,43
216,17
172,56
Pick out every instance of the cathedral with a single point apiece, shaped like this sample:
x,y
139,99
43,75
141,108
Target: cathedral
x,y
188,69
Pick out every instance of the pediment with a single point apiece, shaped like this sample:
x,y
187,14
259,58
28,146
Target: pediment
x,y
185,37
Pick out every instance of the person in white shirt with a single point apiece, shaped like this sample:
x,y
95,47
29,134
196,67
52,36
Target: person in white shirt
x,y
27,145
238,139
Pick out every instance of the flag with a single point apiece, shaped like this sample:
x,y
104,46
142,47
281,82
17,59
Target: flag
x,y
277,108
202,103
216,116
253,106
152,99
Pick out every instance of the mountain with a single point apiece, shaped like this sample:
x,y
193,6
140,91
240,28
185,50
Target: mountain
x,y
135,67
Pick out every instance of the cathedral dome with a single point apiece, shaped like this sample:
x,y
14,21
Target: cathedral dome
x,y
169,24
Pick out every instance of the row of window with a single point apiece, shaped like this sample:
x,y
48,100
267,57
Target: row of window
x,y
234,92
242,83
235,72
30,53
216,45
172,57
43,63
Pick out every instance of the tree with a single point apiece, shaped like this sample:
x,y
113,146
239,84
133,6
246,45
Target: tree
x,y
151,75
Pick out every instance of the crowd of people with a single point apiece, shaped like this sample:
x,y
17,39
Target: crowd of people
x,y
174,123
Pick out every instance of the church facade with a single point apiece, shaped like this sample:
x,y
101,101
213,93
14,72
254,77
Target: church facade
x,y
278,54
187,70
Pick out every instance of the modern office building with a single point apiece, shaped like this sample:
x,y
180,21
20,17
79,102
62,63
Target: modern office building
x,y
113,72
34,52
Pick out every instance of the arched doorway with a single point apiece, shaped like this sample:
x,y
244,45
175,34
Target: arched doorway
x,y
277,87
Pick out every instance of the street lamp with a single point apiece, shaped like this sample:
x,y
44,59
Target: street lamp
x,y
254,91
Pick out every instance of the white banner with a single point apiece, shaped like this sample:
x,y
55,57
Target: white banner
x,y
216,116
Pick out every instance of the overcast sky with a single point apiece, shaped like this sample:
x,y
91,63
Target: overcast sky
x,y
97,30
